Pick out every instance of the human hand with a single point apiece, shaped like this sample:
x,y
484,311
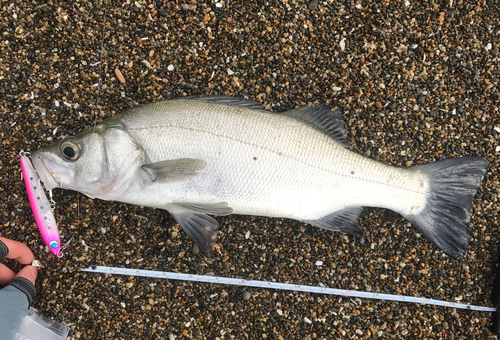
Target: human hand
x,y
25,279
21,253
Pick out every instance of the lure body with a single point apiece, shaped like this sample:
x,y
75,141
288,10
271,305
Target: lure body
x,y
41,206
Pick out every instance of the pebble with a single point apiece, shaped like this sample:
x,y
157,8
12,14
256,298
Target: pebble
x,y
313,4
342,44
196,249
188,7
246,295
120,76
170,67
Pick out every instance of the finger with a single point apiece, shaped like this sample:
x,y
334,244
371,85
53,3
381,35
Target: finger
x,y
18,251
28,272
6,275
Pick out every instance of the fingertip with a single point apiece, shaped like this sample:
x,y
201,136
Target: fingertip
x,y
18,251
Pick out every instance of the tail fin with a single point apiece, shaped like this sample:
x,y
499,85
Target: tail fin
x,y
446,216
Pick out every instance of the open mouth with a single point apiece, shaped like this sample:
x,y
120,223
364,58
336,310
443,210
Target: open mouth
x,y
45,170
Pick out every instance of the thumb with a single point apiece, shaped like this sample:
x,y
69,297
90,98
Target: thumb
x,y
29,272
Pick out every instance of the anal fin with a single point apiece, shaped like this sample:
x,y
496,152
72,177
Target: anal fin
x,y
345,221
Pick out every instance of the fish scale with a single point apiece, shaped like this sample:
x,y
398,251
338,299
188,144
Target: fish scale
x,y
310,157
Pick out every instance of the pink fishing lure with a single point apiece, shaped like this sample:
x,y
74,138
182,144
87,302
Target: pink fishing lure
x,y
42,209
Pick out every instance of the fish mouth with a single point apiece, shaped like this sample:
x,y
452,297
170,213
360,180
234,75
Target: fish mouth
x,y
44,167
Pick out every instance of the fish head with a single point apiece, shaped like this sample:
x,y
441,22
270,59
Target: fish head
x,y
97,162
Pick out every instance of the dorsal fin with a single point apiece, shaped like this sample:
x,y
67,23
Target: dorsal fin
x,y
324,119
236,101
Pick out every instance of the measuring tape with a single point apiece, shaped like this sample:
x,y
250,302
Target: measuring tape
x,y
280,286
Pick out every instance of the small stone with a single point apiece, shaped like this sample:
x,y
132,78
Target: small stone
x,y
494,52
306,320
196,249
409,163
280,312
171,337
170,67
313,5
120,76
342,44
246,296
151,53
230,72
188,7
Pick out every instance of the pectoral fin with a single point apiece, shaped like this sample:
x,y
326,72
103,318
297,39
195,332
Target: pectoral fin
x,y
173,169
199,226
218,209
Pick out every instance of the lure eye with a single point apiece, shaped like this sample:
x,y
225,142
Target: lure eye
x,y
70,150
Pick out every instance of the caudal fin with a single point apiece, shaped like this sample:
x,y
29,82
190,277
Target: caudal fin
x,y
445,219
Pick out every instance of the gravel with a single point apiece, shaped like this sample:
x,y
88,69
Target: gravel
x,y
418,81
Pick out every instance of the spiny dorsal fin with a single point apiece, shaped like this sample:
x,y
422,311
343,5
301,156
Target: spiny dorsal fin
x,y
241,102
324,119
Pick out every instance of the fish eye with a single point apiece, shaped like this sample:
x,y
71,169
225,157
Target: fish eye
x,y
70,150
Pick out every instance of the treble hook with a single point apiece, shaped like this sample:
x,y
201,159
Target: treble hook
x,y
51,201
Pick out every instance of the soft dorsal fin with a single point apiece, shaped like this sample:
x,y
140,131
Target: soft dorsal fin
x,y
236,101
324,119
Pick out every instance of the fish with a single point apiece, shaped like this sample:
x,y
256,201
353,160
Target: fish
x,y
208,155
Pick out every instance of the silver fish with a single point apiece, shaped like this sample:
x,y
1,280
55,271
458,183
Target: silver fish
x,y
217,155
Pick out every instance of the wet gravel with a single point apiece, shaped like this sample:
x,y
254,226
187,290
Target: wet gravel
x,y
418,81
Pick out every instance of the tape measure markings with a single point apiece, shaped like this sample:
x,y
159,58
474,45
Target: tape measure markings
x,y
280,286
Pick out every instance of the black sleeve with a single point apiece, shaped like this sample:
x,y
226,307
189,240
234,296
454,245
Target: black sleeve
x,y
3,251
25,286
